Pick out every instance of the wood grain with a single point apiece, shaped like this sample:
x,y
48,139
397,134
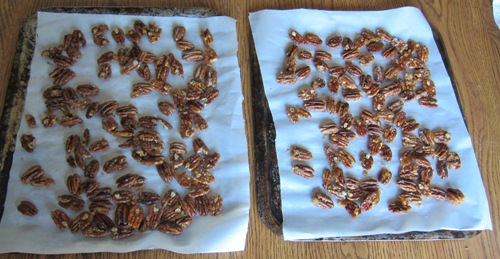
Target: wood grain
x,y
472,41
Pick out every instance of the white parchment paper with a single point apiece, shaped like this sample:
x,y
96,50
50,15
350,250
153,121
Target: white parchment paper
x,y
226,135
303,220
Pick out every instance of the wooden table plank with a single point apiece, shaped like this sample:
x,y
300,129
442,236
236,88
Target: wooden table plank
x,y
472,41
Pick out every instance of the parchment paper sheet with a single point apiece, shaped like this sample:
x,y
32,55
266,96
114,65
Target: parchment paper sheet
x,y
303,220
226,135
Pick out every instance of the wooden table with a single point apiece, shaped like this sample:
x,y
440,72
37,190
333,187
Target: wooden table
x,y
473,43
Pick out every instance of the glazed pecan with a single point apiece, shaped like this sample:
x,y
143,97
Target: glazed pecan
x,y
399,207
135,216
133,181
299,153
370,200
170,228
71,202
73,184
99,146
215,204
153,217
322,200
123,196
27,208
438,193
147,198
91,169
115,164
179,32
351,207
61,219
30,120
455,196
28,142
303,170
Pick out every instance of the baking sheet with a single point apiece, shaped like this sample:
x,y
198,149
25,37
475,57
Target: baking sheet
x,y
223,233
303,220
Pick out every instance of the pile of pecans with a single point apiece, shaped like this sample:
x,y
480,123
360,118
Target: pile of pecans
x,y
134,209
404,79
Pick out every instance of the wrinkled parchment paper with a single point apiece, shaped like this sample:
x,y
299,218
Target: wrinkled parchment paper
x,y
226,135
303,220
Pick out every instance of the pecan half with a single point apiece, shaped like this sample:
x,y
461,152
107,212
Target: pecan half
x,y
299,153
27,208
61,219
322,200
115,164
303,170
133,181
71,202
28,142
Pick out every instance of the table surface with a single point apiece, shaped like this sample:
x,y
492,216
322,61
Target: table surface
x,y
472,40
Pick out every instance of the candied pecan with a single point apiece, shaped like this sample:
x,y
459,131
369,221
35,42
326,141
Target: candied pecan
x,y
73,184
166,171
169,198
428,101
141,88
350,54
386,153
351,94
192,162
366,58
211,160
28,142
148,198
99,146
133,181
384,176
351,207
135,216
411,197
70,120
91,169
399,207
71,202
354,194
179,32
123,196
407,185
170,228
455,196
299,153
34,172
100,206
322,200
115,164
61,219
438,194
374,144
334,41
303,170
183,179
442,169
215,205
366,160
88,186
453,161
370,200
27,208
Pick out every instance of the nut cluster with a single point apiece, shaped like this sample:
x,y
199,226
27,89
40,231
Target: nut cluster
x,y
403,80
127,208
